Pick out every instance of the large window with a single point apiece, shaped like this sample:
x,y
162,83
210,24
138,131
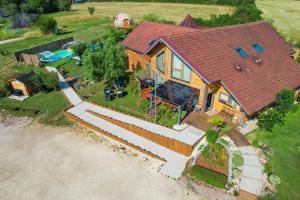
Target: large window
x,y
160,61
179,70
225,98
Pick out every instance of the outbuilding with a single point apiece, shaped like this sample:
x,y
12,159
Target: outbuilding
x,y
22,85
123,20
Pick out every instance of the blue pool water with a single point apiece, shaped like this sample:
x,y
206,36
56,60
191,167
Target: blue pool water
x,y
49,56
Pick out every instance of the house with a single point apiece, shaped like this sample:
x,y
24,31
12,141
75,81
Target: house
x,y
21,85
236,70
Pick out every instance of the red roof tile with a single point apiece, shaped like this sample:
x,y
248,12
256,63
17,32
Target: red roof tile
x,y
189,22
139,39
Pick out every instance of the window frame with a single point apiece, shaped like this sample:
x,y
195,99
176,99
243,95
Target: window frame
x,y
228,101
242,53
163,62
258,48
181,70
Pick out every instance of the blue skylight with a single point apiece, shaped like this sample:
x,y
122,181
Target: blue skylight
x,y
258,48
241,52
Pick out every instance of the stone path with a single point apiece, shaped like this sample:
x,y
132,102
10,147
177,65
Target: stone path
x,y
10,40
251,176
69,92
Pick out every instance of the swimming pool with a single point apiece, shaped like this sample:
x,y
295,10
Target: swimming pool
x,y
48,56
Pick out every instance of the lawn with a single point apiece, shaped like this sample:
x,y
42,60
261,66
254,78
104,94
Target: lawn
x,y
213,178
128,104
46,107
69,66
285,14
285,144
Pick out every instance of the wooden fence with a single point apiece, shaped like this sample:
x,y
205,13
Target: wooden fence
x,y
51,46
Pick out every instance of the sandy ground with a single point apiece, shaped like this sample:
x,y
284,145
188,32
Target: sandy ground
x,y
39,162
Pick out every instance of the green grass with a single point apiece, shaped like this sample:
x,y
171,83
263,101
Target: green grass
x,y
46,107
127,104
212,178
69,66
284,14
285,144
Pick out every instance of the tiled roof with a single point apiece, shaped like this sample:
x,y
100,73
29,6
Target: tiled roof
x,y
212,53
140,38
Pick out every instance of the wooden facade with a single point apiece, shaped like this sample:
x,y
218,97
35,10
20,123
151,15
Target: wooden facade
x,y
26,88
137,60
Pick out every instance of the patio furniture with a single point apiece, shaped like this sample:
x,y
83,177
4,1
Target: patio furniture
x,y
120,93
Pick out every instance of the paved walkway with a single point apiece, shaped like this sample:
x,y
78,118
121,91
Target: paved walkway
x,y
238,138
69,92
251,176
10,40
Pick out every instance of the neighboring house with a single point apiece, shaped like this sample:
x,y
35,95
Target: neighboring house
x,y
237,70
22,85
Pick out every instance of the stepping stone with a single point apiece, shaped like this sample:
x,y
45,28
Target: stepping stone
x,y
248,150
251,160
250,185
252,172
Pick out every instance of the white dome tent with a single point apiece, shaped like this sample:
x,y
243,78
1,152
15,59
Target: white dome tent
x,y
123,20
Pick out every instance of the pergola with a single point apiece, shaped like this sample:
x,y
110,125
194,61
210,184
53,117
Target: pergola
x,y
177,94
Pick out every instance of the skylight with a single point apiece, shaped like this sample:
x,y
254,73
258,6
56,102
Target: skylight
x,y
258,48
241,52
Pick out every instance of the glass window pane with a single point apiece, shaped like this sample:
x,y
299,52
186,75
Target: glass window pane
x,y
224,97
186,73
176,62
176,74
160,61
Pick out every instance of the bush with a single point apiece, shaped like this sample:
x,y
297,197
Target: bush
x,y
151,17
285,101
211,136
47,24
91,10
64,4
237,160
274,179
45,81
268,119
145,104
5,89
216,121
268,168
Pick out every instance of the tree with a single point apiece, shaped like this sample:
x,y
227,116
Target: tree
x,y
47,24
79,49
91,10
64,5
268,119
285,101
93,62
114,61
45,81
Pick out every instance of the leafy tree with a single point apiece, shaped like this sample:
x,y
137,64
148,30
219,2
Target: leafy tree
x,y
211,136
47,24
93,62
268,119
64,4
45,81
91,10
115,61
285,101
79,49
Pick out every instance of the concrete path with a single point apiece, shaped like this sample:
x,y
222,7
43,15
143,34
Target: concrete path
x,y
69,92
10,40
251,176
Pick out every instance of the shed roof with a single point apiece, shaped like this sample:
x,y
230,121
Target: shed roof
x,y
25,78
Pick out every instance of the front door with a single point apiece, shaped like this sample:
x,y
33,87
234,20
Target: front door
x,y
209,100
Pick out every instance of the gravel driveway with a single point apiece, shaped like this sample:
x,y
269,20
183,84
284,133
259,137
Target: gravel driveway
x,y
39,162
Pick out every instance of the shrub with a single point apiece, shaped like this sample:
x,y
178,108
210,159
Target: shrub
x,y
274,179
64,4
216,121
91,10
214,154
79,49
145,105
47,24
5,89
151,17
45,81
211,136
268,119
236,172
285,101
268,168
237,160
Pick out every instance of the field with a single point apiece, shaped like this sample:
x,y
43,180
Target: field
x,y
285,144
285,16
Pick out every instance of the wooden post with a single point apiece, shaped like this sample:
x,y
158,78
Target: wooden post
x,y
204,98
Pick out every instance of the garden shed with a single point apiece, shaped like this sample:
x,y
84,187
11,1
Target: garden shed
x,y
123,20
21,85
